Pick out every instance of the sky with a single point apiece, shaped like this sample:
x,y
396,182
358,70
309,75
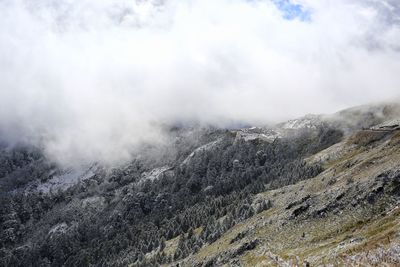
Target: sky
x,y
94,79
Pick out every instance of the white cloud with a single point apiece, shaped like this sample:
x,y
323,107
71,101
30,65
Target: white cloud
x,y
93,79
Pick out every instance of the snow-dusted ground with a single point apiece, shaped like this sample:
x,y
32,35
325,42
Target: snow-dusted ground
x,y
200,149
391,124
307,122
67,178
58,228
154,173
257,133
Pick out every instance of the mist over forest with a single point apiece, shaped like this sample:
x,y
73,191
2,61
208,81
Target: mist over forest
x,y
96,79
199,133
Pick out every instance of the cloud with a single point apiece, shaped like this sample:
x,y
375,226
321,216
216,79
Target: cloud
x,y
92,80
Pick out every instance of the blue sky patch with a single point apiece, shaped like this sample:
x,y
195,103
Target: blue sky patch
x,y
292,10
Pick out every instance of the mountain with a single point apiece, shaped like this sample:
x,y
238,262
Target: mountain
x,y
313,191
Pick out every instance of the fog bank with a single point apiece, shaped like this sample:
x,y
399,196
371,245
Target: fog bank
x,y
92,80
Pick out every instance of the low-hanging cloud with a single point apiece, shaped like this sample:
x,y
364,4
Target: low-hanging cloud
x,y
90,80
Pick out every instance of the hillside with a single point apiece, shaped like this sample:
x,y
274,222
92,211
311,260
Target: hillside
x,y
318,190
348,214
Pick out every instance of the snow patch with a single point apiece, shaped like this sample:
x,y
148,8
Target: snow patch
x,y
66,178
254,133
201,149
60,228
388,125
307,122
154,173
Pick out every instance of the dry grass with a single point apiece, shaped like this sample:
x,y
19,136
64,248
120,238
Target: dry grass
x,y
381,256
366,137
171,246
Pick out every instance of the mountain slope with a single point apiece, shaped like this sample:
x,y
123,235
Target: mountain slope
x,y
318,189
349,209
